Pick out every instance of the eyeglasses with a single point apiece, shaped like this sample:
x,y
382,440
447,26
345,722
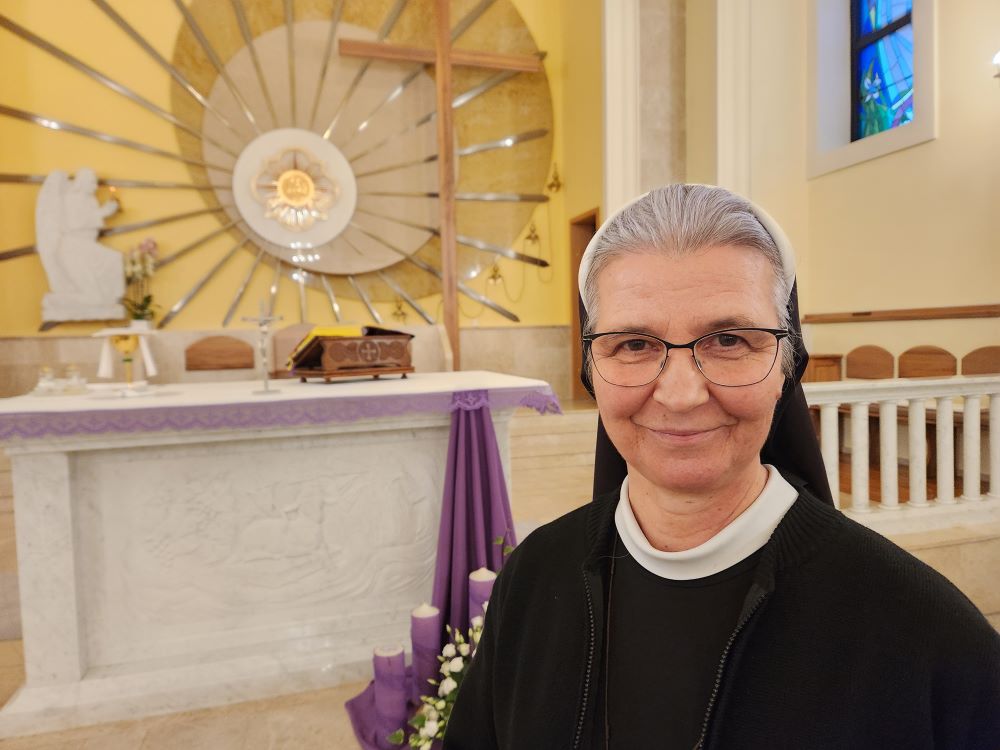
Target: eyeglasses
x,y
732,357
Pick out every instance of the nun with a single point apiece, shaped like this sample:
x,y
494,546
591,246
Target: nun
x,y
711,596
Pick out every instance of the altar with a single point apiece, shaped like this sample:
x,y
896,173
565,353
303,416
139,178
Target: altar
x,y
203,545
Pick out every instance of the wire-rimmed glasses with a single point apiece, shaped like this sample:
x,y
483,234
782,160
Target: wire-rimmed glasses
x,y
732,357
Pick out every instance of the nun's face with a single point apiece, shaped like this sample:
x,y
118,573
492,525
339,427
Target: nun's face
x,y
681,432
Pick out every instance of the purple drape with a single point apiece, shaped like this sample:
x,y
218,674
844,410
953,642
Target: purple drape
x,y
475,511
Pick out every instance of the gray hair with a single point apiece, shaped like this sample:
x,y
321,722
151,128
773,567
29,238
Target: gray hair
x,y
680,219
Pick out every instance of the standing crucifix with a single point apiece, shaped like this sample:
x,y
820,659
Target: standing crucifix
x,y
263,321
443,58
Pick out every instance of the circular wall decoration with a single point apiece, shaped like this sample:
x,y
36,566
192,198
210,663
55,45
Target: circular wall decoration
x,y
324,165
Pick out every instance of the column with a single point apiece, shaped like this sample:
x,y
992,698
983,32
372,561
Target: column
x,y
46,544
917,419
970,449
859,458
889,455
994,493
830,445
945,451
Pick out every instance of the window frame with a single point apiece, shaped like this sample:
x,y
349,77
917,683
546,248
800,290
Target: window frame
x,y
830,116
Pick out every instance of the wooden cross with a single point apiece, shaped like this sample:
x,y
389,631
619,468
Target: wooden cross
x,y
443,58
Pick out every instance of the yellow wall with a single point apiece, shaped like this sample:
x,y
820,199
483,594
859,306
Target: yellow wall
x,y
916,228
34,81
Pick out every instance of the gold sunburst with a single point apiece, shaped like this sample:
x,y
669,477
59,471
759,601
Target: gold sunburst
x,y
295,189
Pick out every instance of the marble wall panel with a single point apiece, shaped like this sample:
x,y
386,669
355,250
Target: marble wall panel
x,y
530,351
541,352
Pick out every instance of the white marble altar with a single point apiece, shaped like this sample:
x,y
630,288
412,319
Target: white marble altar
x,y
199,547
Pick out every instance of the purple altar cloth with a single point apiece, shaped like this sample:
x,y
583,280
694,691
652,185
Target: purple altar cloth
x,y
474,512
220,406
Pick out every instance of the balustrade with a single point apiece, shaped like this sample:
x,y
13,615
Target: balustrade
x,y
917,397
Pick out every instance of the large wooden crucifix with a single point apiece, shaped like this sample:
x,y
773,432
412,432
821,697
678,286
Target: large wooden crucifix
x,y
443,58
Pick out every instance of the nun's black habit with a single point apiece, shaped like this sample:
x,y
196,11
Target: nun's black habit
x,y
844,640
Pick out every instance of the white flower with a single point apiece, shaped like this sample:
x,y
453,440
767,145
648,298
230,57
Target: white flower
x,y
429,729
440,705
447,686
457,663
448,651
464,649
477,622
431,714
446,668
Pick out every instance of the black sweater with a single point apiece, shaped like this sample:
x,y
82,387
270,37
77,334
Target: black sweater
x,y
844,642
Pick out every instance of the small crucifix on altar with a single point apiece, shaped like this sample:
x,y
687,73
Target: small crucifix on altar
x,y
263,321
443,58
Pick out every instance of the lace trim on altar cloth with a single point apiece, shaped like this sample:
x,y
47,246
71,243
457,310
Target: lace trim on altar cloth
x,y
258,415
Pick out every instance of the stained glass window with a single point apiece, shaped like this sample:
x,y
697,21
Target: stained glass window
x,y
881,65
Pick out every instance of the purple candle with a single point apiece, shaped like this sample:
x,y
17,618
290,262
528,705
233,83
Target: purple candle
x,y
425,633
390,693
480,587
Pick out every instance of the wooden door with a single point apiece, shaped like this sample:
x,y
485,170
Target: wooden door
x,y
581,230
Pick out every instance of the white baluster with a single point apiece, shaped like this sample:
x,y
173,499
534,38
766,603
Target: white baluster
x,y
888,455
970,449
917,417
830,445
994,446
859,458
945,451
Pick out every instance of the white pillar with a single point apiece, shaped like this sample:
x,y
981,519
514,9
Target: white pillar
x,y
830,445
945,451
859,458
51,617
889,455
994,447
970,449
917,417
622,108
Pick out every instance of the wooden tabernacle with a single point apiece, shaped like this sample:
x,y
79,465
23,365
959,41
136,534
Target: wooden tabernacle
x,y
377,352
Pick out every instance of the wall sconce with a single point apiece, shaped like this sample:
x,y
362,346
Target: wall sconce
x,y
532,237
555,184
399,313
996,64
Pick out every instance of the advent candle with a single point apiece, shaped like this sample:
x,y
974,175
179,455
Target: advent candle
x,y
425,633
480,587
390,693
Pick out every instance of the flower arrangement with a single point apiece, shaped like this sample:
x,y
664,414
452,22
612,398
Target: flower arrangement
x,y
431,719
140,265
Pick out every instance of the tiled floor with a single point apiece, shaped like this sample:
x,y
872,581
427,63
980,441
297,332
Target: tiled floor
x,y
307,721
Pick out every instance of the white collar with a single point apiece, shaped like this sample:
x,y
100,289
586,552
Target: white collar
x,y
744,535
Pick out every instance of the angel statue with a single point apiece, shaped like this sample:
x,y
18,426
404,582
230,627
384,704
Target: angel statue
x,y
86,279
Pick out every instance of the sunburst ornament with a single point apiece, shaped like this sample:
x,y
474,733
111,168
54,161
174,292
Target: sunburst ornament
x,y
323,166
295,190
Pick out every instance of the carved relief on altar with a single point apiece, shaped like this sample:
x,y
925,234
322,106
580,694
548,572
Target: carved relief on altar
x,y
338,531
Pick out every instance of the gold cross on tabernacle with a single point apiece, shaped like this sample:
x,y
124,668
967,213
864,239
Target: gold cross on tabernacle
x,y
442,57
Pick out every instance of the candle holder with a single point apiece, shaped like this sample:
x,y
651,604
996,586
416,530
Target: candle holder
x,y
126,346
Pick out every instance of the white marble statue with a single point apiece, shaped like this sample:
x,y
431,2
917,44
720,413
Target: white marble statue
x,y
86,279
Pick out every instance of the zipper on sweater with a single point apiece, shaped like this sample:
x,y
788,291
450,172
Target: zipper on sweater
x,y
700,745
590,665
